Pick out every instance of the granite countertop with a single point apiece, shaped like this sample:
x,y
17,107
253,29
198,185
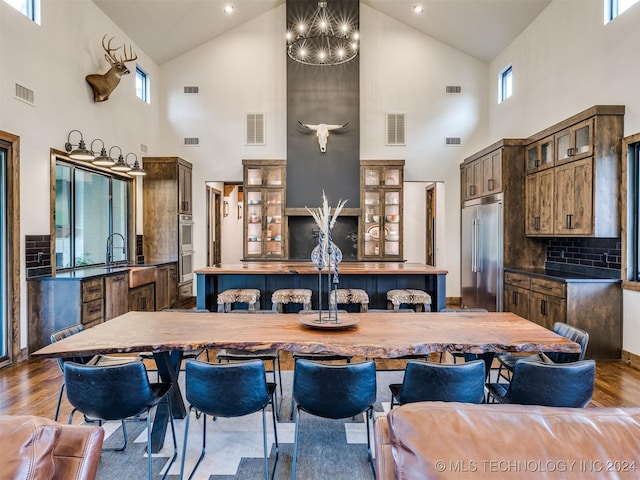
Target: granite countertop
x,y
566,275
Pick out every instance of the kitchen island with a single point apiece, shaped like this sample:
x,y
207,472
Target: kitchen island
x,y
376,278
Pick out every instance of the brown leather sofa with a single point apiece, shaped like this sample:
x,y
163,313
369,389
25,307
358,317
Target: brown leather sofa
x,y
35,448
436,440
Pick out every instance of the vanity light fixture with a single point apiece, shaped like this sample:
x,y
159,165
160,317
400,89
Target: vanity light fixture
x,y
119,165
79,153
137,169
102,160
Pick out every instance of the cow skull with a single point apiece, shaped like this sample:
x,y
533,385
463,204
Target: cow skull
x,y
322,132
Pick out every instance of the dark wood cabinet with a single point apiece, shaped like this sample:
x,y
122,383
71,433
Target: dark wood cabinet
x,y
582,156
592,304
116,292
166,195
264,195
382,218
166,286
142,298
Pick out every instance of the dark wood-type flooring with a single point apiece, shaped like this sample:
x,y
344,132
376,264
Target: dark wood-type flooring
x,y
31,388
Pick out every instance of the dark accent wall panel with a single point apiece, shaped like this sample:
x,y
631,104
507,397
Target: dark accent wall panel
x,y
330,95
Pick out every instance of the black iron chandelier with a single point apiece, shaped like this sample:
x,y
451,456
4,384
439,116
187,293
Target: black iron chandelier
x,y
322,39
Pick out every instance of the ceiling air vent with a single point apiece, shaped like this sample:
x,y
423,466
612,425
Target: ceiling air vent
x,y
452,141
193,89
255,129
191,141
396,129
452,89
24,94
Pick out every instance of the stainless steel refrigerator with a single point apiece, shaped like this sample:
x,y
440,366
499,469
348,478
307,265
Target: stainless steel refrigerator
x,y
482,253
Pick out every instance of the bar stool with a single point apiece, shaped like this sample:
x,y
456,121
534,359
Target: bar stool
x,y
349,295
291,295
250,296
419,299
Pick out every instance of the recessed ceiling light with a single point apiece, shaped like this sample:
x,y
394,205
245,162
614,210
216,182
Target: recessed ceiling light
x,y
418,9
228,9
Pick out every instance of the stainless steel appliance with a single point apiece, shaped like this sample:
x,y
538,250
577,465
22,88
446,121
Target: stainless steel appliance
x,y
482,253
185,267
185,232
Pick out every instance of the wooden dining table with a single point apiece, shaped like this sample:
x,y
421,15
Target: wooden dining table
x,y
371,335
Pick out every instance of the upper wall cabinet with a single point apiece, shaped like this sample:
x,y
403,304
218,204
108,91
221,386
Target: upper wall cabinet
x,y
573,176
483,176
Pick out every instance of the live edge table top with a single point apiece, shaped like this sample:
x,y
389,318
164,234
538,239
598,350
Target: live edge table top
x,y
376,335
305,268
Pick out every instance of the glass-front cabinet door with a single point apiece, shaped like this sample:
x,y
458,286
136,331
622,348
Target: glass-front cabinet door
x,y
264,202
575,142
539,155
381,206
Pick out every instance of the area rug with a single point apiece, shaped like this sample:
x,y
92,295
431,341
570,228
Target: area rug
x,y
328,449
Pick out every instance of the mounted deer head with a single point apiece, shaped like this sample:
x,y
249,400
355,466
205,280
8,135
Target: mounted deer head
x,y
104,84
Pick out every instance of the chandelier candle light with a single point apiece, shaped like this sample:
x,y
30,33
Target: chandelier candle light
x,y
322,39
327,255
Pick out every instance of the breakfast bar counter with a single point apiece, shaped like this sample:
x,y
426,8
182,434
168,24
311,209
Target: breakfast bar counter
x,y
376,278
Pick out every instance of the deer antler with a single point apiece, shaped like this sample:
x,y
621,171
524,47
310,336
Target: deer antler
x,y
111,52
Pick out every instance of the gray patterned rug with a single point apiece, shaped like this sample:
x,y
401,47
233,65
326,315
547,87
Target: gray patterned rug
x,y
328,449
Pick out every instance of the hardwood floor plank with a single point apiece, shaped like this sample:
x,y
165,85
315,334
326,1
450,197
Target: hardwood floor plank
x,y
31,387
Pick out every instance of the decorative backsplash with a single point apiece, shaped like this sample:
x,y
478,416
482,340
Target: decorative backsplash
x,y
600,253
37,250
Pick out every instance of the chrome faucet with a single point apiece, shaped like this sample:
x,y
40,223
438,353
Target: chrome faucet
x,y
109,256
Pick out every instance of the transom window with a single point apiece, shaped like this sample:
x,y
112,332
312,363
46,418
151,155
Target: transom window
x,y
142,85
29,8
90,206
613,8
505,84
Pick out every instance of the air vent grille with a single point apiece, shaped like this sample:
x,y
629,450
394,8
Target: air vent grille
x,y
191,141
144,148
255,129
192,89
25,94
453,89
396,126
452,141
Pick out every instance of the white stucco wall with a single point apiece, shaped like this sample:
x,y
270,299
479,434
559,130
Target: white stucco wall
x,y
566,61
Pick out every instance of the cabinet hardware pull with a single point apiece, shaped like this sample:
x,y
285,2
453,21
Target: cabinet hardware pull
x,y
94,310
536,223
569,221
472,190
490,183
537,163
515,297
543,307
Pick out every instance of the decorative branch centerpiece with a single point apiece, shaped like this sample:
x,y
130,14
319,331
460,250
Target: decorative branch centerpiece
x,y
327,255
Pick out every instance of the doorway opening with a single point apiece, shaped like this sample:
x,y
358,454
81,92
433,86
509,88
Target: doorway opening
x,y
214,226
430,224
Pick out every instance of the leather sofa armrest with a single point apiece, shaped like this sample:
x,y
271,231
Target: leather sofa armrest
x,y
77,454
384,455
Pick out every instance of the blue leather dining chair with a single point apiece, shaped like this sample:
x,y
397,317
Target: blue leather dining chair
x,y
117,392
333,391
507,361
431,382
552,385
229,390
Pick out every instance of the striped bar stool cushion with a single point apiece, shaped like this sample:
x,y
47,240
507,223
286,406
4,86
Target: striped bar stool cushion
x,y
250,296
291,295
350,295
418,298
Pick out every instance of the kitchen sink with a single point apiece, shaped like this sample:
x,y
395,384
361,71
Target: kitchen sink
x,y
141,275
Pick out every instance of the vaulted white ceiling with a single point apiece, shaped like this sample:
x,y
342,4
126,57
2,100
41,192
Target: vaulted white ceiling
x,y
165,29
